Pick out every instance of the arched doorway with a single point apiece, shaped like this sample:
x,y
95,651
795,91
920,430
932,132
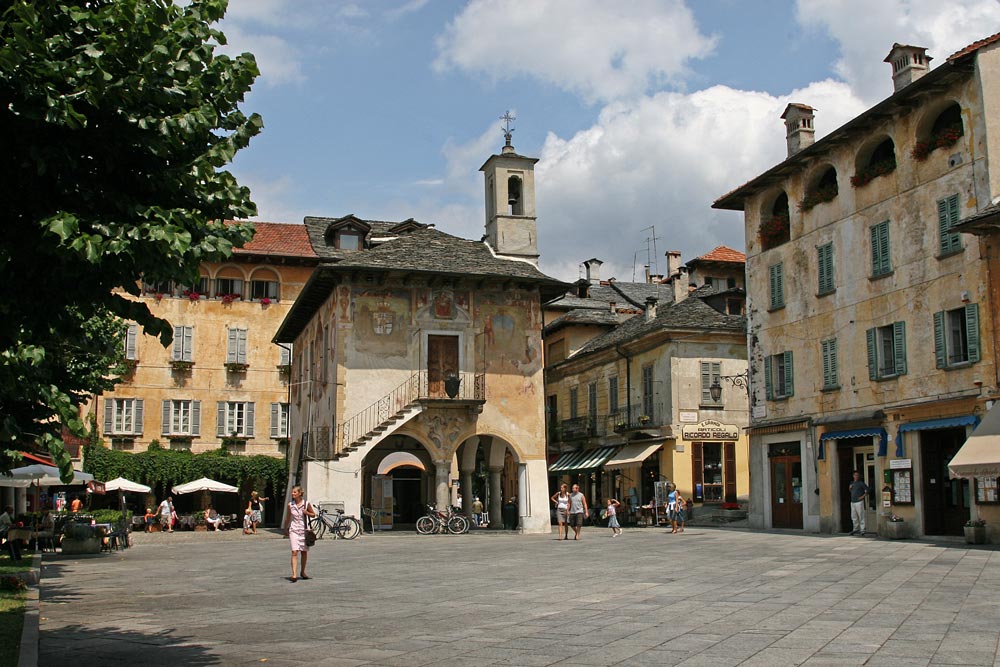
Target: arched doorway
x,y
491,471
398,482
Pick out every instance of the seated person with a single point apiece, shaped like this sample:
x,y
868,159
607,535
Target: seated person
x,y
6,523
150,518
212,518
46,526
247,521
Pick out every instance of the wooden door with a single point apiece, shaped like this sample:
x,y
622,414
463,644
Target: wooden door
x,y
729,472
946,500
698,471
442,361
845,466
786,492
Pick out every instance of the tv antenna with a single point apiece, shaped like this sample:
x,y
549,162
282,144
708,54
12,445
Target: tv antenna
x,y
652,258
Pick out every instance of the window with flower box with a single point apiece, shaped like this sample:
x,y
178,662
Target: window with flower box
x,y
235,419
264,289
945,132
882,161
181,418
123,416
228,288
157,287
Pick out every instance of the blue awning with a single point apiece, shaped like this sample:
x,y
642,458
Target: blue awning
x,y
932,424
854,433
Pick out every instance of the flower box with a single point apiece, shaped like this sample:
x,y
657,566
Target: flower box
x,y
895,530
816,196
774,231
945,138
871,172
229,298
975,531
192,296
181,366
236,367
265,301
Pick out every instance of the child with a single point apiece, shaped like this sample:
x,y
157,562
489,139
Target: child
x,y
247,521
612,514
150,518
680,512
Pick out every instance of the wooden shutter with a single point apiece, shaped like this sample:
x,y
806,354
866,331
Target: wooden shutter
x,y
220,426
188,339
275,419
825,266
165,422
789,375
130,341
880,249
729,472
109,415
248,426
872,355
137,416
697,467
972,330
768,384
178,352
196,418
949,241
241,346
231,346
706,382
940,350
777,284
899,346
830,372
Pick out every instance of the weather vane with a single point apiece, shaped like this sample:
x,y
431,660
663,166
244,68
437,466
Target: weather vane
x,y
507,119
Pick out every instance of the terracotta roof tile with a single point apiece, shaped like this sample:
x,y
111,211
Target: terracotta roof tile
x,y
975,46
723,254
278,239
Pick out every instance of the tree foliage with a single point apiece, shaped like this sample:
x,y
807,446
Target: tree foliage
x,y
118,119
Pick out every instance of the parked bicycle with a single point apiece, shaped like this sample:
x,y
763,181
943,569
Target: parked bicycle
x,y
342,526
442,521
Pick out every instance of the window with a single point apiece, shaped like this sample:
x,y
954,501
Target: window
x,y
711,372
956,336
824,264
349,241
592,405
573,395
556,351
949,242
887,351
228,287
831,379
647,391
881,266
123,416
286,355
613,395
181,418
778,376
264,289
131,342
200,288
734,306
235,419
279,420
776,279
156,287
236,351
183,338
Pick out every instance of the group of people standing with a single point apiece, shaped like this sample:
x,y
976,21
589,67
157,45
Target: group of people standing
x,y
572,509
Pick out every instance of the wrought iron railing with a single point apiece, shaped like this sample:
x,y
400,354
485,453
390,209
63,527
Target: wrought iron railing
x,y
640,416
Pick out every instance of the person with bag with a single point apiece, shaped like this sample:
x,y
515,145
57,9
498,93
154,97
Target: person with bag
x,y
299,534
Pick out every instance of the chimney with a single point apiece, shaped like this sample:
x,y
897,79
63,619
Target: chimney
x,y
909,63
583,288
614,307
651,308
673,262
593,268
799,130
680,284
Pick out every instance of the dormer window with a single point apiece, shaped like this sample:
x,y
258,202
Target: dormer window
x,y
347,233
348,240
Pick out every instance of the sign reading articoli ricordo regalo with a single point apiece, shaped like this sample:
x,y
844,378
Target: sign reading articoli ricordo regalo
x,y
710,430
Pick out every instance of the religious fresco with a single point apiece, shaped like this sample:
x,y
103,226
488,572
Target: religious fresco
x,y
381,321
443,305
510,334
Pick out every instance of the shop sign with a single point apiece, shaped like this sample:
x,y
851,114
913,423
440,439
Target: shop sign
x,y
711,430
898,464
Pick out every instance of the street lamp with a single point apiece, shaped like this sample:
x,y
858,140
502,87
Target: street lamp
x,y
741,380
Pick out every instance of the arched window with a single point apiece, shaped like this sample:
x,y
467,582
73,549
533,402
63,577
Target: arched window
x,y
775,224
822,189
228,284
264,284
879,162
514,199
944,132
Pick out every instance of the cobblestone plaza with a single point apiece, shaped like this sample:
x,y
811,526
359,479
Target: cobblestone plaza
x,y
709,596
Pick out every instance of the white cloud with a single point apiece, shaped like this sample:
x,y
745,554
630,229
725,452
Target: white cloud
x,y
866,31
600,50
276,198
410,7
279,61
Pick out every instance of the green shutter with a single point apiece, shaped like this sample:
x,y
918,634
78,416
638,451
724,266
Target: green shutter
x,y
768,384
777,284
972,330
899,346
948,211
829,353
940,351
880,249
825,266
872,355
789,375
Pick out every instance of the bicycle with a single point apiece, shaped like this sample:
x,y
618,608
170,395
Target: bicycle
x,y
342,526
441,521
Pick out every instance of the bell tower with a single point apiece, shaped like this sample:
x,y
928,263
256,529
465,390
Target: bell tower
x,y
510,201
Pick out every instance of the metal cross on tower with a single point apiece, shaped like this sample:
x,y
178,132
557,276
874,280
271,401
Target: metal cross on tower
x,y
507,119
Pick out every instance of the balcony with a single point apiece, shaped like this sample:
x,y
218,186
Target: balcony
x,y
638,418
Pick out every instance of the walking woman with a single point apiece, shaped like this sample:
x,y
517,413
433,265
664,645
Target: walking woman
x,y
561,499
298,510
256,507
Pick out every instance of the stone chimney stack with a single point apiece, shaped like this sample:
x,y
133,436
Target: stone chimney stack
x,y
680,284
799,130
909,63
593,268
651,302
673,262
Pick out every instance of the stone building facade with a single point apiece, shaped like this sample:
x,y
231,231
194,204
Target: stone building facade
x,y
871,323
417,369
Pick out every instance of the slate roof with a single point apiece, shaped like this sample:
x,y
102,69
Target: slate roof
x,y
278,239
316,227
583,316
973,221
620,293
570,301
691,313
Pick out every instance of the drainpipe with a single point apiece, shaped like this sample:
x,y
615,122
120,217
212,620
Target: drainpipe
x,y
628,382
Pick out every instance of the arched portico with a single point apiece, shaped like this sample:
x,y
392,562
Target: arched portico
x,y
398,481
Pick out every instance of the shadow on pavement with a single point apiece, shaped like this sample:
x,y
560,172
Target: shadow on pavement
x,y
96,645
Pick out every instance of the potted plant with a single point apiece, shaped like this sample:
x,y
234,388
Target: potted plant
x,y
236,367
200,525
643,419
229,298
81,538
873,171
975,531
620,426
265,301
895,527
181,365
774,231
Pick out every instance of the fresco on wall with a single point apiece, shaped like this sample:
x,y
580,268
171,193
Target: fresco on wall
x,y
381,319
343,302
443,305
510,337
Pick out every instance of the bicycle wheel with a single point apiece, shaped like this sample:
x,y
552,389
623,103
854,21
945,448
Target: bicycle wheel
x,y
349,528
458,524
318,526
425,525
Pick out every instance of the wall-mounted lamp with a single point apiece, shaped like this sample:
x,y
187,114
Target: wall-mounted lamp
x,y
741,380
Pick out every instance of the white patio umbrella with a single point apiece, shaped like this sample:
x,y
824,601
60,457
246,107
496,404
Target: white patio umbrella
x,y
122,484
204,484
41,475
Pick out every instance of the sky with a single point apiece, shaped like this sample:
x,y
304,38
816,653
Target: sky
x,y
641,113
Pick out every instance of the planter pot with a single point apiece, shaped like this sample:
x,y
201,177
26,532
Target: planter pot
x,y
200,528
733,515
90,545
975,534
895,530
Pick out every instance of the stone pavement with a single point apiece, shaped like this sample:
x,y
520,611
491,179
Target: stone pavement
x,y
709,596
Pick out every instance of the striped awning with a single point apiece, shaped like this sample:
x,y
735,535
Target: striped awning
x,y
585,460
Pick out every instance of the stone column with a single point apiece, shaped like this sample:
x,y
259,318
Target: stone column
x,y
467,466
496,500
442,496
467,495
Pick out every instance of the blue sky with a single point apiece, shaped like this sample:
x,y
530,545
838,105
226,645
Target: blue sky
x,y
641,112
